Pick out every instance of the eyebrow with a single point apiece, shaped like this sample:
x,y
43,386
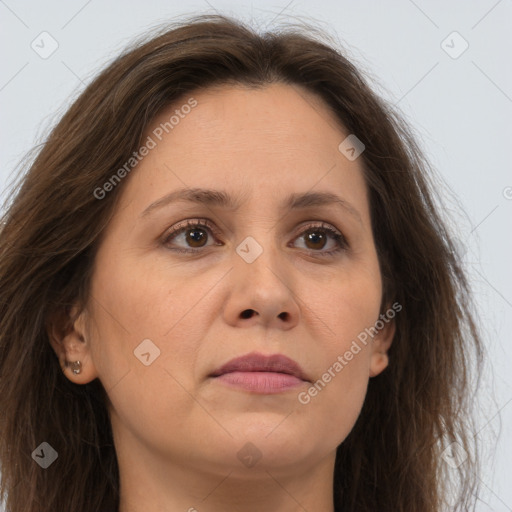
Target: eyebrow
x,y
221,199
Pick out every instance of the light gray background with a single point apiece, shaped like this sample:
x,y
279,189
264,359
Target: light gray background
x,y
460,107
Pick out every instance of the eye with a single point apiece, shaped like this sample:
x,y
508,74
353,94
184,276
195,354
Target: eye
x,y
317,237
195,233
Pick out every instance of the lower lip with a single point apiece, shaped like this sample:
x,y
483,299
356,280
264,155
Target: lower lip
x,y
261,382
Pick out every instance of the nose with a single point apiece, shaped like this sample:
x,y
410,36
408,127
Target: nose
x,y
261,290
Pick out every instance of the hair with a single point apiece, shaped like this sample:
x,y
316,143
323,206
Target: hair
x,y
51,230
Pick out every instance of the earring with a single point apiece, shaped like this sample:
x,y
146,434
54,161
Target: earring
x,y
76,366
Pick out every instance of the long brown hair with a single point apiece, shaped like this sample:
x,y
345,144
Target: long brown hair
x,y
392,459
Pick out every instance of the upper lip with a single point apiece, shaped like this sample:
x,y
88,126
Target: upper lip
x,y
255,362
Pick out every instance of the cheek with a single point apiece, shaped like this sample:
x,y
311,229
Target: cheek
x,y
347,307
348,310
142,300
136,312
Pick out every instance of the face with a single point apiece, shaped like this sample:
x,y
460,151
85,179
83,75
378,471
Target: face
x,y
182,287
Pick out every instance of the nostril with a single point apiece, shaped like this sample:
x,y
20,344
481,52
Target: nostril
x,y
247,313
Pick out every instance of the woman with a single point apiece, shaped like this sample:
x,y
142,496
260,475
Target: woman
x,y
226,286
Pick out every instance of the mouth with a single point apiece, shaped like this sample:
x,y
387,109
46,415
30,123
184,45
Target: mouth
x,y
261,374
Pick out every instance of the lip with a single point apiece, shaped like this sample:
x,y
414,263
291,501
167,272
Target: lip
x,y
261,374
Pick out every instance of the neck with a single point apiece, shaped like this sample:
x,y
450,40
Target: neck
x,y
150,482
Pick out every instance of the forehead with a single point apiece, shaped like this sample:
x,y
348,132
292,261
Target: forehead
x,y
260,144
277,114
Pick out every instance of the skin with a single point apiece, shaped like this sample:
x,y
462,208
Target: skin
x,y
177,432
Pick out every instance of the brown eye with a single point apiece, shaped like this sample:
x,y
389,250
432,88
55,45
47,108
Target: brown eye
x,y
316,239
196,237
191,235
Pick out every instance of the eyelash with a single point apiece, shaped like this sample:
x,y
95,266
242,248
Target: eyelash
x,y
202,223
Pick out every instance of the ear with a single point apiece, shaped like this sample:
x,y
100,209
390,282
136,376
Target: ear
x,y
380,346
67,336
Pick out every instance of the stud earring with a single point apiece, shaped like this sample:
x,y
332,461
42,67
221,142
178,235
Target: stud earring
x,y
76,366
